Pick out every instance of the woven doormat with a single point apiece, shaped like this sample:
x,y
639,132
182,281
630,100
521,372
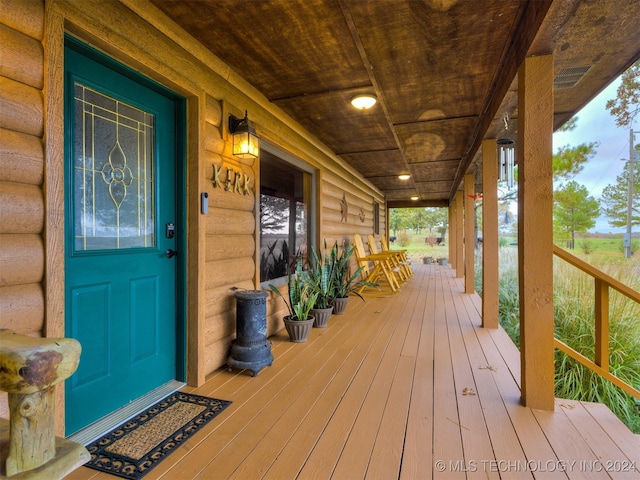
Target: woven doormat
x,y
135,447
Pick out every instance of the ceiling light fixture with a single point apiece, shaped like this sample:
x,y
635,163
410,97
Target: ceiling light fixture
x,y
364,102
414,198
246,143
404,176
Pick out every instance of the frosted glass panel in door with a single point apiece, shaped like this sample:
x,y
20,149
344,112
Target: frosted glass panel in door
x,y
113,194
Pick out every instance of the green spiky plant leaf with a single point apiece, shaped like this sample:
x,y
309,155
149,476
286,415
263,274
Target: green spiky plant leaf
x,y
301,298
321,278
345,283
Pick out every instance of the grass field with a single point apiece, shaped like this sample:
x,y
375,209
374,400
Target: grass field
x,y
602,246
593,248
417,246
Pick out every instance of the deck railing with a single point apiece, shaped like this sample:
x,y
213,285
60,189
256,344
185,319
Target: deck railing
x,y
603,282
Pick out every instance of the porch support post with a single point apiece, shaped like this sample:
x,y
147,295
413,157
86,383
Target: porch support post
x,y
452,234
489,233
469,233
459,235
535,230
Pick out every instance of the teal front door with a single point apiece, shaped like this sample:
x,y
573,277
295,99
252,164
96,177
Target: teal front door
x,y
122,235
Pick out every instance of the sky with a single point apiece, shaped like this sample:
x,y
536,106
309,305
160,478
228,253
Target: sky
x,y
596,124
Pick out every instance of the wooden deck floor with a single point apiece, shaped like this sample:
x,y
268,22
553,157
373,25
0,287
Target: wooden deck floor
x,y
404,387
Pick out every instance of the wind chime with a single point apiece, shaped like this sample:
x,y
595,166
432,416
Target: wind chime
x,y
507,159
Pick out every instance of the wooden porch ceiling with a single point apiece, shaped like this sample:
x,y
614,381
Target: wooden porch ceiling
x,y
443,72
404,387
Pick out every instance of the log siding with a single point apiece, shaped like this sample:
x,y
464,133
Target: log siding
x,y
22,213
222,245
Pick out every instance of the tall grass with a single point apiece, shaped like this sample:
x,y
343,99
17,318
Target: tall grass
x,y
508,294
575,325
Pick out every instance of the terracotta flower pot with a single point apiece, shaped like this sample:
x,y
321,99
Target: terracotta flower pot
x,y
340,305
298,330
322,316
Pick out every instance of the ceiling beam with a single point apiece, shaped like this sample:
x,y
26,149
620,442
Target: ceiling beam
x,y
367,152
367,64
320,93
528,24
436,120
417,203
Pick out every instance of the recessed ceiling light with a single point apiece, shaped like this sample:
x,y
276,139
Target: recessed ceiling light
x,y
414,198
404,176
363,102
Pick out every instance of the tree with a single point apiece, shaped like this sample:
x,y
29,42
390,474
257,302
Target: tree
x,y
570,125
403,218
569,161
616,197
443,220
431,219
416,219
437,218
398,219
626,104
574,211
274,213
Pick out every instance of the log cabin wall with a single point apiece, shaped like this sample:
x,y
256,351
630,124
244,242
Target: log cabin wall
x,y
22,212
222,245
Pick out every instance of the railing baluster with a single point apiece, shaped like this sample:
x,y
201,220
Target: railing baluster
x,y
602,324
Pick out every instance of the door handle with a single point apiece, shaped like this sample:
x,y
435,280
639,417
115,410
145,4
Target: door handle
x,y
170,253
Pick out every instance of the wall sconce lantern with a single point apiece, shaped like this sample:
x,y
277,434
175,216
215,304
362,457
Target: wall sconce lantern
x,y
246,143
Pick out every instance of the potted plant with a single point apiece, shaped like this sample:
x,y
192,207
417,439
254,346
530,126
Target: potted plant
x,y
321,276
300,301
344,283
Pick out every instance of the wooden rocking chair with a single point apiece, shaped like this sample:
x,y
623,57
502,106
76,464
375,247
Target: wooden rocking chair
x,y
393,259
405,263
381,268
